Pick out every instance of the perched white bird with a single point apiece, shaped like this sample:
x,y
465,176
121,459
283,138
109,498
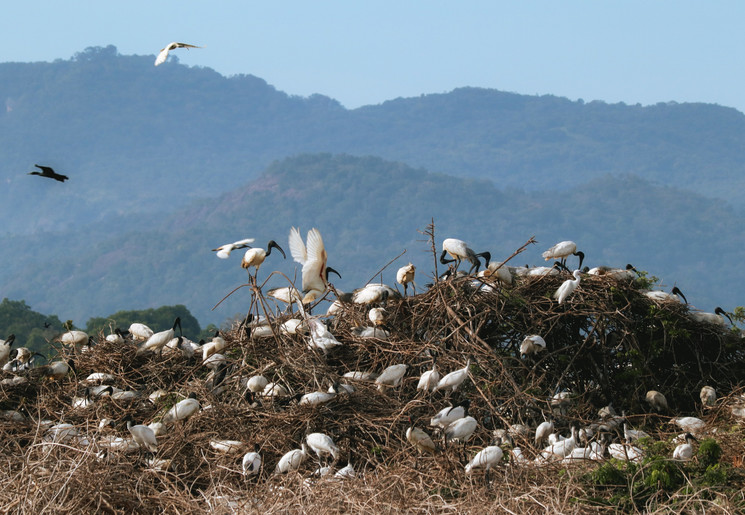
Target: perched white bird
x,y
454,379
708,396
275,390
143,436
663,296
257,383
391,376
322,444
619,274
320,336
429,379
158,340
55,370
373,294
313,258
182,410
227,446
140,331
461,430
543,430
378,316
656,400
163,55
116,337
74,339
357,375
405,275
684,451
632,435
420,439
561,448
532,344
498,271
689,424
458,250
562,251
292,460
316,398
716,318
254,257
223,251
567,287
251,463
488,457
216,345
447,416
346,472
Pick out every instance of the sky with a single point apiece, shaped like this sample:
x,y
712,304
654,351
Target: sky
x,y
362,53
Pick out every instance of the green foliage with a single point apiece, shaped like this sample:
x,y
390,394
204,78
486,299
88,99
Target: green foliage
x,y
715,475
709,453
32,329
157,319
662,474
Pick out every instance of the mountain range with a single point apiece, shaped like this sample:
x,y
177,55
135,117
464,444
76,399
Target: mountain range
x,y
168,163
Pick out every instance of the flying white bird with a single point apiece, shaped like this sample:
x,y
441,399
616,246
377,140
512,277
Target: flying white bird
x,y
223,251
163,55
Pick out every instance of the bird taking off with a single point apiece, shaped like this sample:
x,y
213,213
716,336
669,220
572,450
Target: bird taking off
x,y
163,55
49,173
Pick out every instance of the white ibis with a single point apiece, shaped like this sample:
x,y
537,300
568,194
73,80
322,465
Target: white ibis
x,y
322,444
488,457
562,251
313,257
143,436
429,379
532,344
223,251
182,410
292,460
254,257
656,400
454,379
5,346
163,55
684,451
158,340
251,463
391,376
458,250
447,416
420,439
708,396
405,275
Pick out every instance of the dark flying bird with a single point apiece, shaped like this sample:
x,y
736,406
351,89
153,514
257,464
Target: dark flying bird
x,y
48,172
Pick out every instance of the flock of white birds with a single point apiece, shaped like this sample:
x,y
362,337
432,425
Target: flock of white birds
x,y
453,422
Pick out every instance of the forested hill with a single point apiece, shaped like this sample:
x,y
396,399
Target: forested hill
x,y
134,138
370,210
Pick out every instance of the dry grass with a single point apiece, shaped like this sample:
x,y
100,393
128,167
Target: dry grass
x,y
608,343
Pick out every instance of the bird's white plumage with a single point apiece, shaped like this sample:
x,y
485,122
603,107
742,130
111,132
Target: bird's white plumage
x,y
488,457
708,396
391,376
462,429
454,379
291,460
251,463
181,410
140,331
447,416
313,257
163,55
420,439
322,444
532,344
143,436
567,287
223,251
429,379
561,250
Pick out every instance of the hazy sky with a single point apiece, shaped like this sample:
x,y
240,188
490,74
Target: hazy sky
x,y
367,52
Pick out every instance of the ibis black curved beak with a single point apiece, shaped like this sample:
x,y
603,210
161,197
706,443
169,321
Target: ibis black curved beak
x,y
677,291
442,258
581,256
720,311
177,322
273,245
329,269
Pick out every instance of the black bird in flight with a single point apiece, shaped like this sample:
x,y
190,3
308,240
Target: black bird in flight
x,y
48,172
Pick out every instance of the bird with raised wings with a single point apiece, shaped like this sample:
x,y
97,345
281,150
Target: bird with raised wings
x,y
312,255
49,173
163,55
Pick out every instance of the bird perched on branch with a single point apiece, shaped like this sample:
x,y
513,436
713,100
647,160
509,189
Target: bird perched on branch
x,y
254,257
163,55
405,275
567,287
49,173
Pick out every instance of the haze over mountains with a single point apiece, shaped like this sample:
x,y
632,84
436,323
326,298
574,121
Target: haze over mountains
x,y
166,163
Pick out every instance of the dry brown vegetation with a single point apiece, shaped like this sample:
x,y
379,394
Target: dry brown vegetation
x,y
608,343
